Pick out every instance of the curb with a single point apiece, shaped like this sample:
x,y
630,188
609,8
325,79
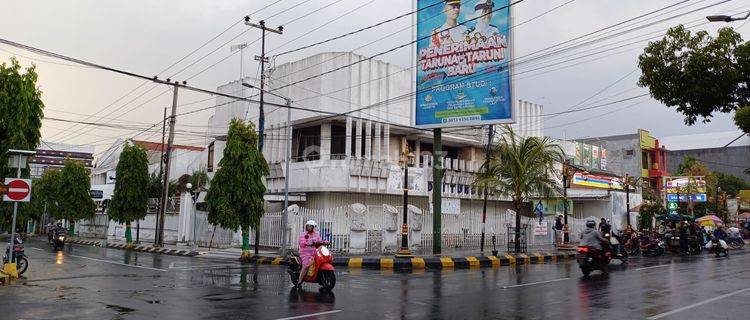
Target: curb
x,y
435,263
149,249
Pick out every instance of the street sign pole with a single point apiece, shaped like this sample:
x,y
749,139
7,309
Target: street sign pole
x,y
11,254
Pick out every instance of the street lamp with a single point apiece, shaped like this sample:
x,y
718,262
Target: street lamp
x,y
726,18
407,159
194,197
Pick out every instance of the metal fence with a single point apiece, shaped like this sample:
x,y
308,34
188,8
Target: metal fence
x,y
458,231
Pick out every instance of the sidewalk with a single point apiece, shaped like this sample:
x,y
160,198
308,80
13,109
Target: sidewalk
x,y
175,250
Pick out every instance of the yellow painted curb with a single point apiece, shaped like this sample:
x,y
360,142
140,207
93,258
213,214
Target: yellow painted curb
x,y
526,258
473,262
539,257
495,261
261,259
277,260
355,263
386,263
554,257
417,263
511,259
447,262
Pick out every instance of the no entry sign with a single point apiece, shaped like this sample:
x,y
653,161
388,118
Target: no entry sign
x,y
19,190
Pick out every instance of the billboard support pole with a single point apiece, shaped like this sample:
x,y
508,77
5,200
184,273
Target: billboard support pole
x,y
437,190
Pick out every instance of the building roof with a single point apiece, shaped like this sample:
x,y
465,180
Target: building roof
x,y
156,146
711,140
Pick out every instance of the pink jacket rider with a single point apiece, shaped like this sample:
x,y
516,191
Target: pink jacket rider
x,y
306,250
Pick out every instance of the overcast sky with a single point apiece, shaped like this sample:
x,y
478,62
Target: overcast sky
x,y
147,36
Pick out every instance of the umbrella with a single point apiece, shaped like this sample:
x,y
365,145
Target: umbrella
x,y
671,217
709,217
745,215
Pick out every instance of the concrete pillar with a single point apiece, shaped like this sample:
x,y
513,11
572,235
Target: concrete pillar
x,y
325,140
415,228
348,142
358,140
387,140
358,228
377,142
390,233
368,140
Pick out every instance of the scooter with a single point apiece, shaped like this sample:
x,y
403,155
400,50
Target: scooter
x,y
632,246
590,259
615,239
59,240
321,271
652,248
735,242
19,256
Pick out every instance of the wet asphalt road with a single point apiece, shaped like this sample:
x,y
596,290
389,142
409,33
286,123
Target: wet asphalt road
x,y
94,283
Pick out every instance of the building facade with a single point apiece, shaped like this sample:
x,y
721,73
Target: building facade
x,y
52,156
726,152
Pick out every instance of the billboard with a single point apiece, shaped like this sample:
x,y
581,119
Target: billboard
x,y
679,187
462,76
595,157
600,182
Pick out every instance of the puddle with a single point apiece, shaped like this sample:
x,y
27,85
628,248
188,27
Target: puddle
x,y
153,301
120,309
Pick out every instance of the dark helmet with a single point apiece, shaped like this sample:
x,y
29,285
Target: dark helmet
x,y
590,223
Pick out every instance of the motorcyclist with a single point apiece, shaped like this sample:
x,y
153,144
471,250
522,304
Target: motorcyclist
x,y
307,241
59,229
593,239
733,234
721,235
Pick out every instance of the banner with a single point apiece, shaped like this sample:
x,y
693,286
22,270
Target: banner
x,y
604,158
462,53
595,157
586,156
601,182
682,186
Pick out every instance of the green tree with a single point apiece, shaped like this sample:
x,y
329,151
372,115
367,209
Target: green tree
x,y
130,198
21,113
75,186
647,213
48,188
520,167
731,184
235,199
698,74
742,119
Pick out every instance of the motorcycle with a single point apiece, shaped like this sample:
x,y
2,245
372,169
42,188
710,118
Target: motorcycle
x,y
652,248
321,271
59,240
695,245
615,239
19,256
735,242
632,246
717,249
590,259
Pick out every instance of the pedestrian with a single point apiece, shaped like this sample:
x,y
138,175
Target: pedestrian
x,y
558,230
683,232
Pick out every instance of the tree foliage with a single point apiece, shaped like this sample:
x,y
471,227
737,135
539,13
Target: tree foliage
x,y
742,119
696,73
130,198
21,110
45,196
691,167
235,199
520,167
75,185
731,184
647,212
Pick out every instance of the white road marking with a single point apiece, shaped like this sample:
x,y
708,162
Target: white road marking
x,y
653,267
669,313
534,283
204,266
117,263
310,315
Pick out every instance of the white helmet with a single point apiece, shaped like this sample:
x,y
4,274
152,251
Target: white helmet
x,y
311,223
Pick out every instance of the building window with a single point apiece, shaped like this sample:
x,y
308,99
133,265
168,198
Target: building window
x,y
645,160
338,142
210,166
629,152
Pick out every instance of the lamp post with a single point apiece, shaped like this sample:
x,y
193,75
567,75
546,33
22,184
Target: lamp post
x,y
404,252
726,18
194,196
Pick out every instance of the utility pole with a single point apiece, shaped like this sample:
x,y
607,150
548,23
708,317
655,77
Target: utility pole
x,y
287,158
437,189
161,172
627,197
261,115
167,162
490,130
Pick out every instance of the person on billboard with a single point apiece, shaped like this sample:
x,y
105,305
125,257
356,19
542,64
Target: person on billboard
x,y
450,31
483,29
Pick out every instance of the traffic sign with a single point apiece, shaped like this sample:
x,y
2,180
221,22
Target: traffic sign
x,y
19,190
672,206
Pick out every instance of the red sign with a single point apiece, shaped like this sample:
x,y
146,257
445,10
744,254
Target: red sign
x,y
19,190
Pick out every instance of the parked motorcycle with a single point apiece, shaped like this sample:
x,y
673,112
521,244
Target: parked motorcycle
x,y
735,243
19,256
651,247
695,245
590,259
632,245
321,271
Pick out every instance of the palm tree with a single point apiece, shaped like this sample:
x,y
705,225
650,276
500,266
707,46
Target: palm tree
x,y
520,167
